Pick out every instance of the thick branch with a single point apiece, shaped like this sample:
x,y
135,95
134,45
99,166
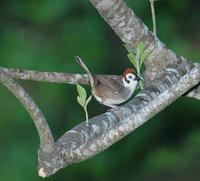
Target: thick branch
x,y
46,138
84,141
132,30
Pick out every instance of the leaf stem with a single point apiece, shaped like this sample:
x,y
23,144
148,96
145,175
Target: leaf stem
x,y
86,114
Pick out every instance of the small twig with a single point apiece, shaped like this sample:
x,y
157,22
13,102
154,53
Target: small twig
x,y
46,137
153,16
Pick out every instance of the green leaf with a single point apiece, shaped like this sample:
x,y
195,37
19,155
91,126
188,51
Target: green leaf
x,y
137,56
88,100
144,56
139,51
131,55
140,47
81,101
132,59
81,92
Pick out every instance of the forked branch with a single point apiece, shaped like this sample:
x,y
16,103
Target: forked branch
x,y
46,138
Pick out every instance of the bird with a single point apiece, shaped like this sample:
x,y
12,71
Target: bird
x,y
111,91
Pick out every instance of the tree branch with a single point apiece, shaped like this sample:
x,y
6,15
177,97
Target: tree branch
x,y
46,138
131,30
53,77
84,141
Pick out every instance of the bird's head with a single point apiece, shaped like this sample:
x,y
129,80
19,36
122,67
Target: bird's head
x,y
130,78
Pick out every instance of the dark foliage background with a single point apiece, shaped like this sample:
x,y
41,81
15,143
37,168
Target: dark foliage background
x,y
46,35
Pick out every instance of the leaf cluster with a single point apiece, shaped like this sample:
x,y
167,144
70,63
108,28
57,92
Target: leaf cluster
x,y
137,56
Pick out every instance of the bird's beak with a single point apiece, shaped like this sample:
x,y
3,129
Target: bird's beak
x,y
138,78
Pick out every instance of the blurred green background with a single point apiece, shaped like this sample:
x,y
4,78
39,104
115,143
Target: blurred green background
x,y
46,35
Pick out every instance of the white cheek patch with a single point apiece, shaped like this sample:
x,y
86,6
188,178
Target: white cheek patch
x,y
131,84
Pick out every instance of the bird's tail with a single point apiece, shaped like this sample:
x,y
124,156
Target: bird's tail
x,y
82,64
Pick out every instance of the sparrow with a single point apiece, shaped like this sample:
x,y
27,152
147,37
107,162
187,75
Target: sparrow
x,y
111,91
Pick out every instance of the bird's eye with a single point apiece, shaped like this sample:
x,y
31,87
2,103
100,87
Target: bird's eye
x,y
130,77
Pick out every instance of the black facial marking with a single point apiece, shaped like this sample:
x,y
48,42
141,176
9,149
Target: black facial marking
x,y
127,80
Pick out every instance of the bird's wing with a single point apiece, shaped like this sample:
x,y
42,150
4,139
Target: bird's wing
x,y
115,83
